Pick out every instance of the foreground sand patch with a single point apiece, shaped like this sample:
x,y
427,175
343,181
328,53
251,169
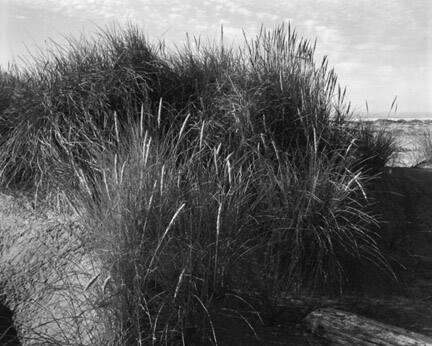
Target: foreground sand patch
x,y
44,271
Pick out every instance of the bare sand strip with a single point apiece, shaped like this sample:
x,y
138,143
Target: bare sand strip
x,y
44,271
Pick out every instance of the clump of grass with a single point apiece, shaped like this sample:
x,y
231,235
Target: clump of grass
x,y
69,100
317,218
8,83
72,99
173,238
375,147
180,241
205,176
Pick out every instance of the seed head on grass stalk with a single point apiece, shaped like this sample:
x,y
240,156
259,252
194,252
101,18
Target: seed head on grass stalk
x,y
169,247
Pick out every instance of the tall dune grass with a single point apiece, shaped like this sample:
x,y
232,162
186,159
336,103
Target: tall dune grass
x,y
206,177
376,148
69,100
173,238
180,241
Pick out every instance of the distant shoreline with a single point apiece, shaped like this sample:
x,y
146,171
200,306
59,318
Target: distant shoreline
x,y
395,117
389,120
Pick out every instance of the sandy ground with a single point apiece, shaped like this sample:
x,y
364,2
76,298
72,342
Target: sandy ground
x,y
44,270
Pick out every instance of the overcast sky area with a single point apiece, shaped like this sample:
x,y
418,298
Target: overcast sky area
x,y
379,48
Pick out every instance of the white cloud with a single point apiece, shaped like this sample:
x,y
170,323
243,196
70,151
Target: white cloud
x,y
366,46
309,24
121,10
388,47
349,67
267,16
385,70
329,36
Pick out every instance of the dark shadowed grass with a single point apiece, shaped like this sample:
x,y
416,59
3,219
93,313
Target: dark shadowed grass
x,y
173,238
211,180
72,99
8,83
189,246
375,148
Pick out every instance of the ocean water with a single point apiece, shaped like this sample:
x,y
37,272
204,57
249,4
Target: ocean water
x,y
396,116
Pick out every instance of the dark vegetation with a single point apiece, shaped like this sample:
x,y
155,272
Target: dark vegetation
x,y
212,180
8,333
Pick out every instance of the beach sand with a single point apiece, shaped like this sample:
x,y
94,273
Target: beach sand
x,y
44,269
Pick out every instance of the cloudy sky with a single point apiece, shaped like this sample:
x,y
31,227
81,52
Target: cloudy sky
x,y
380,48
